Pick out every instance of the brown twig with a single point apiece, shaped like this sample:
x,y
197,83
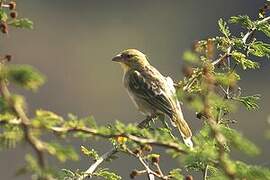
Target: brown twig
x,y
150,173
170,145
244,40
35,143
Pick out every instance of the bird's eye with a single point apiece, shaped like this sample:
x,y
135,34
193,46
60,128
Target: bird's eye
x,y
127,56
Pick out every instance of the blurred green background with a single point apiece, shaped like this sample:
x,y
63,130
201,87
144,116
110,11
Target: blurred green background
x,y
73,43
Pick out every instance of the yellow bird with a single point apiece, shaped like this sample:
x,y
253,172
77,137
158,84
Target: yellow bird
x,y
151,92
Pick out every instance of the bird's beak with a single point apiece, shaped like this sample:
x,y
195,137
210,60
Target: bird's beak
x,y
117,58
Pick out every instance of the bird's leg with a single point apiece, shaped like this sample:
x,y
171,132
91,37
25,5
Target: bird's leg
x,y
165,124
146,123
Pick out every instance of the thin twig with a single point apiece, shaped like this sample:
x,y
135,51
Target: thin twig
x,y
170,145
94,166
159,169
205,173
108,154
151,174
25,121
244,40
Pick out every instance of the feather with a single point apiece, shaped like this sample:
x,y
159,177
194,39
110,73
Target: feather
x,y
150,92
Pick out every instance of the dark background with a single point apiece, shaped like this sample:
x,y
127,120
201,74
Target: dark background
x,y
73,43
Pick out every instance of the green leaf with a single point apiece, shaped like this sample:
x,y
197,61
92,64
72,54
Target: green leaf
x,y
244,20
10,135
250,102
244,171
176,174
32,165
91,153
227,79
22,23
190,57
46,119
265,28
204,153
4,106
224,29
3,15
6,117
260,49
107,174
67,174
246,63
60,152
25,76
215,174
239,142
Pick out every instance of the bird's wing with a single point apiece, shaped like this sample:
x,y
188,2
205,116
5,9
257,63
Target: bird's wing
x,y
149,89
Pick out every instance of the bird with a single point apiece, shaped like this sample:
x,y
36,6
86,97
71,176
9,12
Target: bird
x,y
152,93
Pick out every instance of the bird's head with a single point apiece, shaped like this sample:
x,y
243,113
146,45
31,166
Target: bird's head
x,y
131,58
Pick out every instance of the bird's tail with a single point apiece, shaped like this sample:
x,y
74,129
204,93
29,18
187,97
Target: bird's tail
x,y
183,127
177,117
184,130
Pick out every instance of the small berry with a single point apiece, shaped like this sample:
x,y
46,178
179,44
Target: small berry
x,y
206,70
13,14
4,28
133,174
199,115
189,98
137,151
12,5
189,177
155,159
266,6
8,57
147,148
187,71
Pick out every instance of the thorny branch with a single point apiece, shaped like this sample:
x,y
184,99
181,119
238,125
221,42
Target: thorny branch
x,y
244,40
150,173
112,151
35,143
39,147
95,165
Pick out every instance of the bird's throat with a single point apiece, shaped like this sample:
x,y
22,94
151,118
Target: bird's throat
x,y
124,67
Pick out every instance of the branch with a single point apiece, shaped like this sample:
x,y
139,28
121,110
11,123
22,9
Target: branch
x,y
150,173
205,173
94,166
35,143
244,40
95,132
108,154
170,145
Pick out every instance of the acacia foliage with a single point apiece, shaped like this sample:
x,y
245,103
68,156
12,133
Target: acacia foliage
x,y
210,88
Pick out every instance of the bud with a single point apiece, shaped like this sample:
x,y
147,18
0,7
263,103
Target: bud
x,y
155,159
210,79
199,115
121,139
189,177
4,27
137,151
266,6
13,14
133,174
206,70
147,148
189,98
8,57
12,5
187,71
